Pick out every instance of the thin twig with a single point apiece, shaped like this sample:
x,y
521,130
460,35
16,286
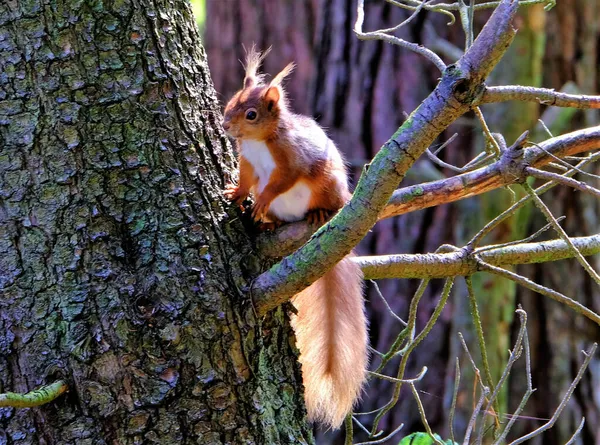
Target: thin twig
x,y
473,420
422,414
559,230
383,439
526,282
577,432
454,398
410,347
564,401
544,96
513,357
376,35
549,176
392,313
519,204
525,398
395,380
360,425
521,241
479,330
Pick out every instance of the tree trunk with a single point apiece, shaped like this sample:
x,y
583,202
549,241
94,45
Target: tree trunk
x,y
120,268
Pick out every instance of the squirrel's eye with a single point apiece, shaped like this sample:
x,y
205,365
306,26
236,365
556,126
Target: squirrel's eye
x,y
251,114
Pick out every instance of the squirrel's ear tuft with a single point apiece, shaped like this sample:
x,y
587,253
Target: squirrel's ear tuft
x,y
254,59
283,74
272,96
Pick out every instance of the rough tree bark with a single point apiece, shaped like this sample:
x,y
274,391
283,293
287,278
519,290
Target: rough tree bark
x,y
120,270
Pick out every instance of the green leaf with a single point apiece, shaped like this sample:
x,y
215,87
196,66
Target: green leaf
x,y
422,439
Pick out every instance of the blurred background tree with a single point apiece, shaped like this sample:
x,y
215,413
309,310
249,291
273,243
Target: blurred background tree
x,y
361,91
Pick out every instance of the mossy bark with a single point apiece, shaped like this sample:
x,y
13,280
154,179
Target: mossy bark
x,y
120,263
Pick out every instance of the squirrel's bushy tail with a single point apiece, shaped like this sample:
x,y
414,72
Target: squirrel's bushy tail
x,y
331,334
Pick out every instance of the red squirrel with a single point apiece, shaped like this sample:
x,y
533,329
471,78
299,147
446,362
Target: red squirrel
x,y
295,172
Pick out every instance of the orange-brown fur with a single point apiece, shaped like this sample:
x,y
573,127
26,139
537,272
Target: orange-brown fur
x,y
330,326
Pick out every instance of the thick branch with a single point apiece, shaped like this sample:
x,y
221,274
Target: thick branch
x,y
545,96
485,179
453,96
443,265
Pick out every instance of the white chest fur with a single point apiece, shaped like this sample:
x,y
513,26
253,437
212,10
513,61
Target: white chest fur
x,y
289,206
258,154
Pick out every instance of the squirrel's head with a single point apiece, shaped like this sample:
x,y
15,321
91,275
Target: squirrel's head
x,y
254,111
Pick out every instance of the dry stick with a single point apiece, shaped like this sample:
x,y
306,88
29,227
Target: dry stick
x,y
454,398
480,250
387,306
409,330
564,401
577,432
378,35
422,414
409,348
544,96
489,5
486,131
473,420
395,380
548,214
526,282
470,357
383,439
426,5
565,163
525,399
479,330
514,356
549,176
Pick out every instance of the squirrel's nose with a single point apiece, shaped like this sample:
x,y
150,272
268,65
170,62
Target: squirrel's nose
x,y
226,125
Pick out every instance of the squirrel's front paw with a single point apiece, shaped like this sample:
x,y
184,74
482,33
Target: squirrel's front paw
x,y
233,193
261,207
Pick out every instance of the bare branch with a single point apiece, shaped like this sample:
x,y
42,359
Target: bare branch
x,y
560,231
528,392
514,356
461,263
421,409
454,398
395,380
383,439
564,401
577,432
417,197
526,282
381,35
545,96
409,348
549,176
